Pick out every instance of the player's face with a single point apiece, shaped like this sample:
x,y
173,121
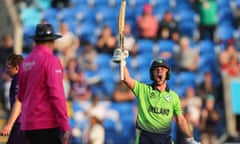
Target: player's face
x,y
159,75
11,70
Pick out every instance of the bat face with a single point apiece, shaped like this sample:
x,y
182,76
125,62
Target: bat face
x,y
121,18
121,24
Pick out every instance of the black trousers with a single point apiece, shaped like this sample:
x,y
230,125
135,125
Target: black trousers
x,y
153,138
44,136
17,136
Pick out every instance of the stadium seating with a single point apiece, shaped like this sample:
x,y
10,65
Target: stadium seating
x,y
224,32
223,3
87,32
50,13
104,14
185,79
141,61
28,31
67,14
145,46
159,3
100,3
85,14
205,47
43,4
225,15
166,46
30,16
159,11
84,3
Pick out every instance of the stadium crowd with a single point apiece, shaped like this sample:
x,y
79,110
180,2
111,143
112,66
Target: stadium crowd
x,y
200,40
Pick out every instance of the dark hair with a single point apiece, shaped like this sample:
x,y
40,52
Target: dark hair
x,y
15,59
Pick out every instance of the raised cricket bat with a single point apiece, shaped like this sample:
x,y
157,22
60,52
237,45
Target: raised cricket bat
x,y
121,24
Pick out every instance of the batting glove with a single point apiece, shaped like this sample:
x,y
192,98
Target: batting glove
x,y
192,141
119,55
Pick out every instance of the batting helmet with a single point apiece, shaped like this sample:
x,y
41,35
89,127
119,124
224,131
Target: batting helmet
x,y
160,63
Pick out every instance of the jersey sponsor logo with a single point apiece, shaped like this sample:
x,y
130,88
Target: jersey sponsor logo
x,y
58,71
158,110
152,95
28,65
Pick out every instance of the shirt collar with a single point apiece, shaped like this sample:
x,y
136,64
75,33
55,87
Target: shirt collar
x,y
43,48
154,87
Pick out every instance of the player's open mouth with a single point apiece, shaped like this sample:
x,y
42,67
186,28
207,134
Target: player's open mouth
x,y
160,77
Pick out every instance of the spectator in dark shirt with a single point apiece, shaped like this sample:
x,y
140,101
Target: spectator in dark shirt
x,y
167,26
208,121
106,42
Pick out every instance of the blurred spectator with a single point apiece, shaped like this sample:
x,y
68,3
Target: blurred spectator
x,y
6,48
129,39
167,26
147,23
96,108
175,36
106,42
86,57
69,39
187,57
207,86
233,67
95,133
193,105
66,84
79,87
207,10
208,121
80,90
67,45
122,93
72,70
224,56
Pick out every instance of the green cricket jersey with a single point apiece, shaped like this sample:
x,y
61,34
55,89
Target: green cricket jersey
x,y
155,108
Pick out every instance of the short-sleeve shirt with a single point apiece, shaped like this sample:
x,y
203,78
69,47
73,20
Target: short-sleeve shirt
x,y
155,109
41,91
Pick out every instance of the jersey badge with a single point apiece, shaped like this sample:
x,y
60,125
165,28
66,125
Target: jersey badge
x,y
168,97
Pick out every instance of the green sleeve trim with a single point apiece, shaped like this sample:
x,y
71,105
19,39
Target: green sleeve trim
x,y
137,140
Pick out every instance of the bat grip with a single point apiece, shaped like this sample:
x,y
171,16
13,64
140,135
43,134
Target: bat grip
x,y
122,56
121,70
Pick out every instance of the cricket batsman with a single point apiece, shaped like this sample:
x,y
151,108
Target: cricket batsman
x,y
157,104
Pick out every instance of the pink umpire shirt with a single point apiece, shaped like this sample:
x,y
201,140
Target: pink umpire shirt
x,y
41,91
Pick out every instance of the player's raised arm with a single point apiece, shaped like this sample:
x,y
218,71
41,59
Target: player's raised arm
x,y
127,78
120,56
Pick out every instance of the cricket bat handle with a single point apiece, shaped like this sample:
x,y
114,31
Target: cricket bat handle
x,y
121,70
